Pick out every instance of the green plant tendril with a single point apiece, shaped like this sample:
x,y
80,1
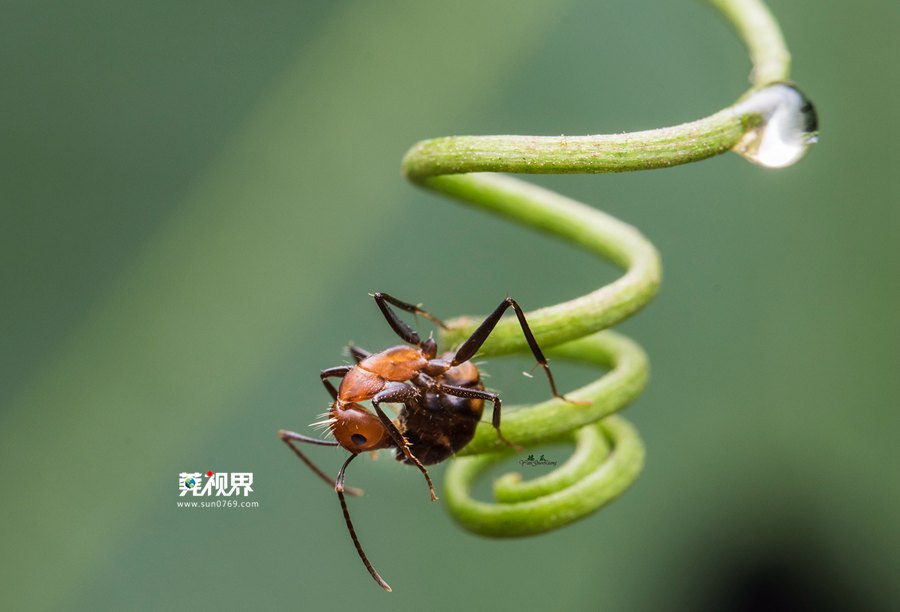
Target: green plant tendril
x,y
608,453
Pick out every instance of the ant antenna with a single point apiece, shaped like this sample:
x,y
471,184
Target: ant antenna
x,y
384,585
339,488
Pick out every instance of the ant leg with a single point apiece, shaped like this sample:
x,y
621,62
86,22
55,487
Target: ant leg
x,y
400,328
289,437
398,392
483,395
358,353
340,493
335,372
380,298
471,346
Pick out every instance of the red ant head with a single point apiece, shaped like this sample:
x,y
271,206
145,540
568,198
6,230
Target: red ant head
x,y
357,429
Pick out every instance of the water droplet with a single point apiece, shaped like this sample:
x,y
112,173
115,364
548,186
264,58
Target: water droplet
x,y
787,126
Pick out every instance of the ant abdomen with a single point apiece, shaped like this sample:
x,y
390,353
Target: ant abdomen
x,y
439,425
439,428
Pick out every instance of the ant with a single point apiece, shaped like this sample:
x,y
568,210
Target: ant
x,y
442,395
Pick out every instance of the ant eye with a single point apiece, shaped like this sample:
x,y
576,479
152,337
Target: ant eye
x,y
358,439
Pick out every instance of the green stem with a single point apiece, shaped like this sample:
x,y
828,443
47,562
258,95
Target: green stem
x,y
608,454
757,27
575,154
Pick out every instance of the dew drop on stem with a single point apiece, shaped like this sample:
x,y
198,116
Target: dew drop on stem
x,y
784,126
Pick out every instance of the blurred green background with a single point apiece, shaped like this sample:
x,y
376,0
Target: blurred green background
x,y
197,197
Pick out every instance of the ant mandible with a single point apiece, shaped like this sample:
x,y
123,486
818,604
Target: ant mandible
x,y
442,396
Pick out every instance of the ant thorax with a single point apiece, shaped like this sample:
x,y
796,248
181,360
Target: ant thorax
x,y
398,363
369,377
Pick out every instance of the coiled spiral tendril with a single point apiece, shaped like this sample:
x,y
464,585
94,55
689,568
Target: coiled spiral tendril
x,y
608,453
